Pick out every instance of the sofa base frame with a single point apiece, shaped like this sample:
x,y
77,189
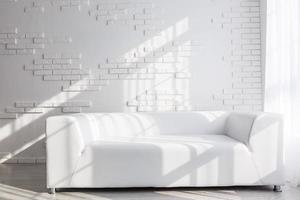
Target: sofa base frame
x,y
51,190
277,188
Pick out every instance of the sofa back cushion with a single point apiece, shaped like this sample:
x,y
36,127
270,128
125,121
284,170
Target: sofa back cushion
x,y
239,125
96,126
185,123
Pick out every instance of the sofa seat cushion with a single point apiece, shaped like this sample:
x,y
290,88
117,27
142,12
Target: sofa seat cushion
x,y
164,161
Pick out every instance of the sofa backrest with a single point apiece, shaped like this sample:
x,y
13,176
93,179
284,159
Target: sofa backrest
x,y
96,126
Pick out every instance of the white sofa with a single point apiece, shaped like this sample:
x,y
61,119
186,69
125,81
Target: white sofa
x,y
187,149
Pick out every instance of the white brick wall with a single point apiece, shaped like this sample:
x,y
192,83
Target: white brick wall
x,y
243,23
119,55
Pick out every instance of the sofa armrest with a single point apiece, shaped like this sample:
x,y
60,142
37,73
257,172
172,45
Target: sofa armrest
x,y
64,144
266,145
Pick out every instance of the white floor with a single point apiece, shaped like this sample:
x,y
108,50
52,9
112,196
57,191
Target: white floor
x,y
26,181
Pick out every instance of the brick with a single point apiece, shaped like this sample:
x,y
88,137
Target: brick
x,y
76,104
255,19
62,61
256,62
44,104
62,72
133,103
144,5
71,77
116,60
41,40
251,25
252,80
250,4
71,110
247,96
242,74
165,108
251,58
138,70
256,74
256,52
8,52
251,69
34,35
42,62
106,6
221,20
240,20
254,9
242,85
256,47
53,78
25,46
9,30
127,65
14,110
34,9
8,41
118,71
222,96
3,35
24,104
252,91
109,76
8,116
34,110
143,16
251,36
81,71
71,66
164,92
128,76
51,55
42,72
78,88
26,52
250,14
108,66
33,67
240,9
54,67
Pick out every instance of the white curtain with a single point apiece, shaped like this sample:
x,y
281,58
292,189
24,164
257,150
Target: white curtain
x,y
282,75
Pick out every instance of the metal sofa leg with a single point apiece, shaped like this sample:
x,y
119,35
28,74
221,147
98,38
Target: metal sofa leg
x,y
51,190
277,188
